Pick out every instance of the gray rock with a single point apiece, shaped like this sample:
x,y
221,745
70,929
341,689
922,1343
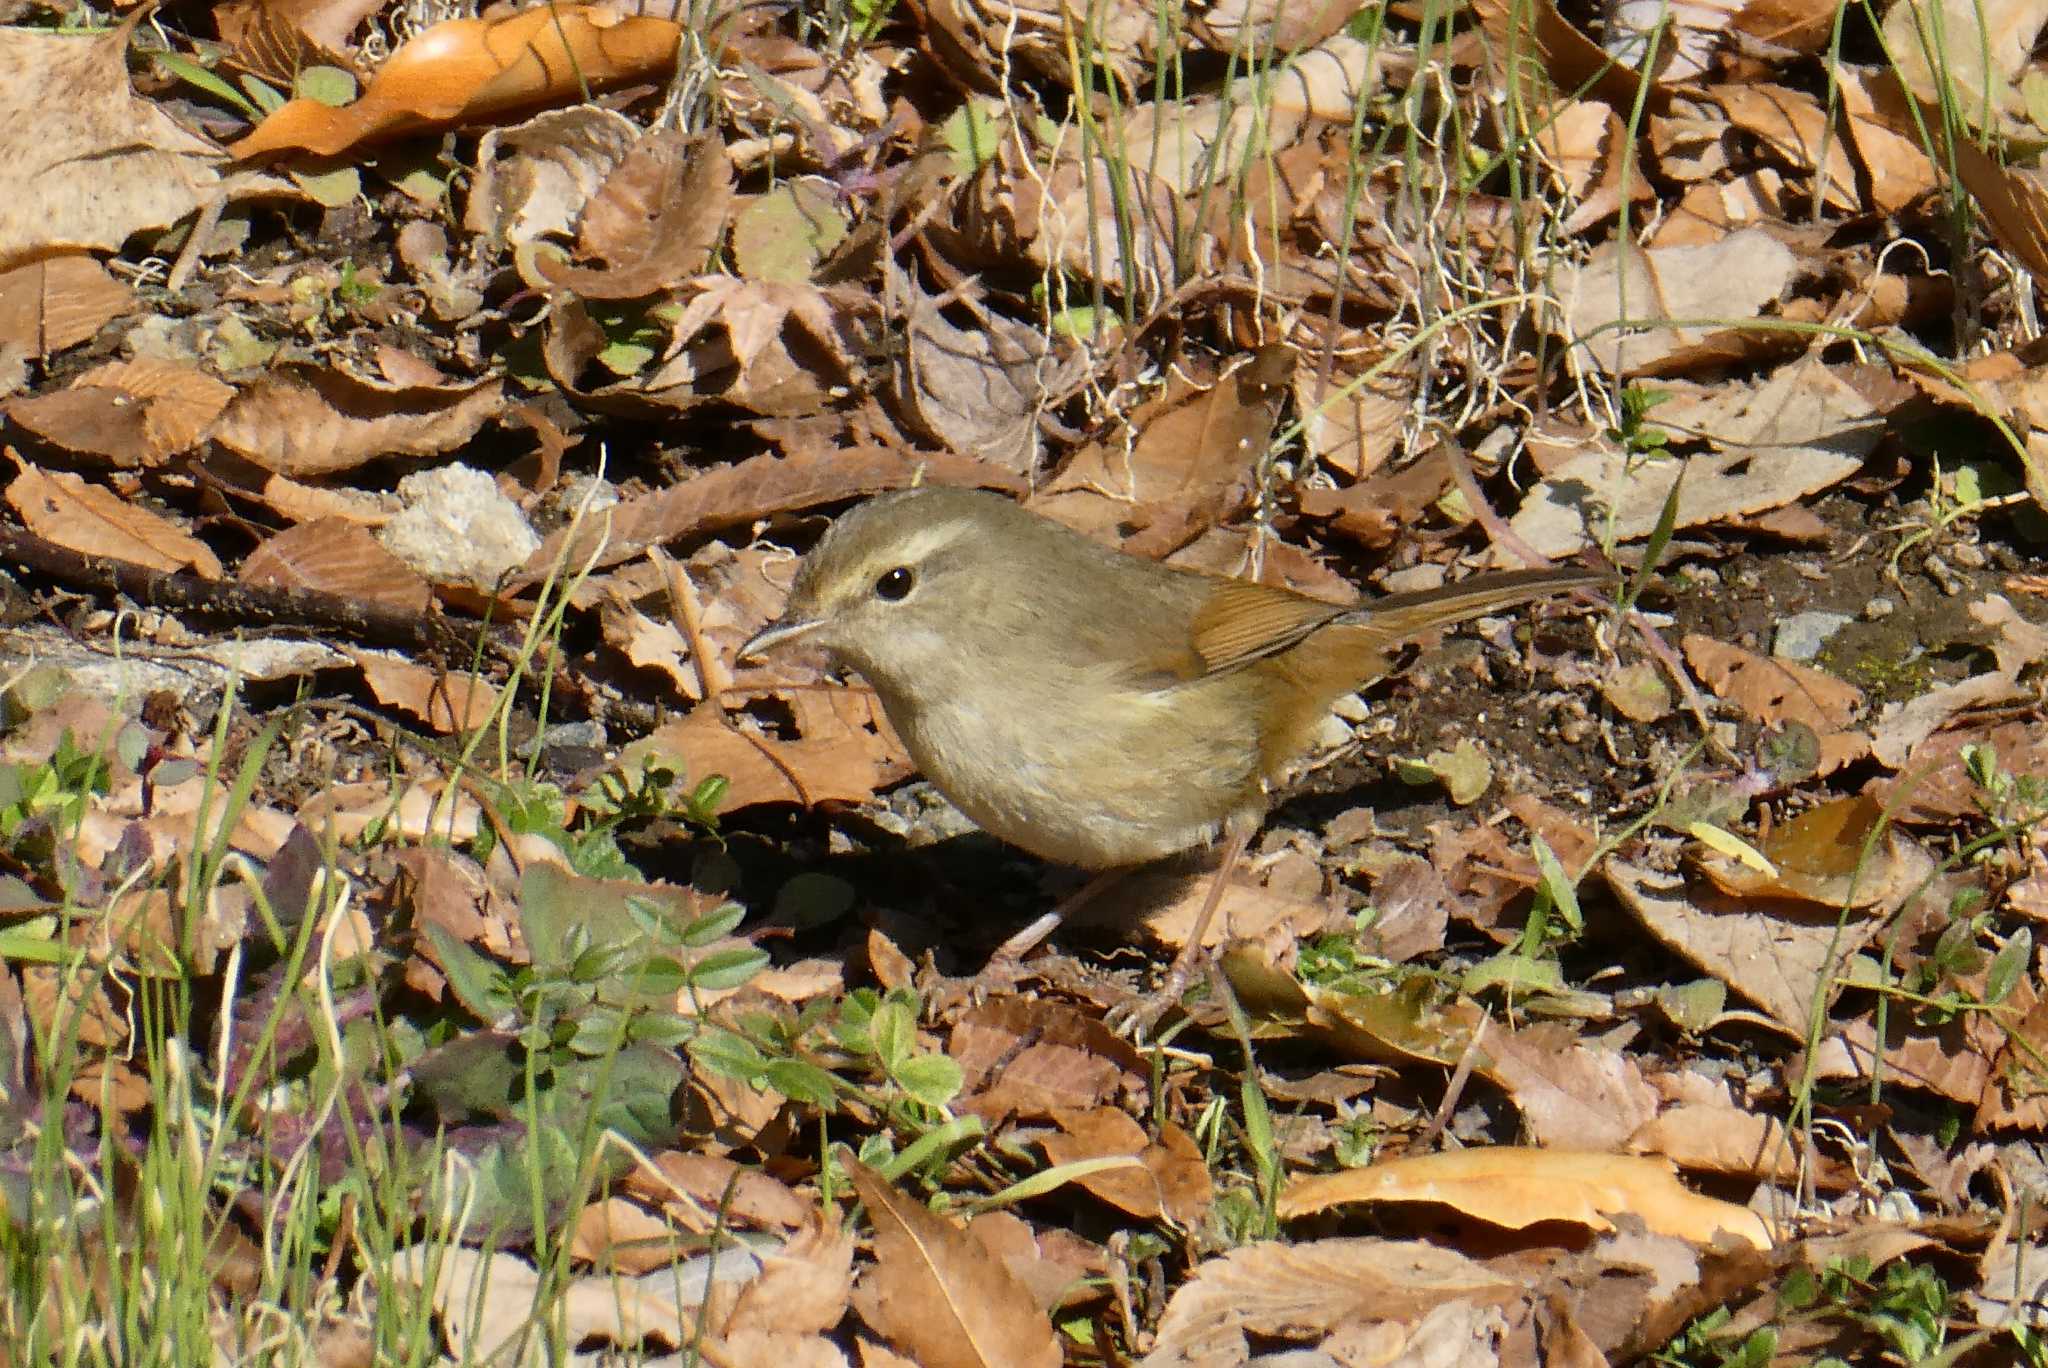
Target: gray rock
x,y
1801,636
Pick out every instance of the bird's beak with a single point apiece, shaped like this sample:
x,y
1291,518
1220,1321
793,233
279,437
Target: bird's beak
x,y
776,634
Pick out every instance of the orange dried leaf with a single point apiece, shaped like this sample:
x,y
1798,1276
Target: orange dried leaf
x,y
1775,692
846,766
1571,60
1170,1178
335,556
1032,1058
127,413
311,420
1796,127
1721,1139
446,700
94,521
1517,1188
1821,856
803,1289
49,305
464,69
1190,467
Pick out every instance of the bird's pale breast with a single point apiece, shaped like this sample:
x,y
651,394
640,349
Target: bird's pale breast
x,y
1124,776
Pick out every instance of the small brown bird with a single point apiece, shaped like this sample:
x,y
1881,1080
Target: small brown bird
x,y
1082,704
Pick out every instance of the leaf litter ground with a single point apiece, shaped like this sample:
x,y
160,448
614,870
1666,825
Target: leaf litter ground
x,y
1611,987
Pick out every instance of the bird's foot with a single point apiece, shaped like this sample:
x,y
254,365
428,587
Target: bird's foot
x,y
1136,1018
1001,974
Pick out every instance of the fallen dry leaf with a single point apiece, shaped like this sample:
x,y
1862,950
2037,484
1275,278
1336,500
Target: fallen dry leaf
x,y
312,420
803,1289
1826,855
1570,1092
1170,1179
449,701
1795,434
127,414
1634,312
534,179
65,103
1775,952
707,1190
58,302
485,1300
1775,692
655,219
335,556
939,1294
1032,1059
1517,1188
847,762
466,68
94,521
1303,1291
1721,1139
981,391
1184,462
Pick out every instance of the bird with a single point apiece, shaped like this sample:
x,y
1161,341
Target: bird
x,y
1087,706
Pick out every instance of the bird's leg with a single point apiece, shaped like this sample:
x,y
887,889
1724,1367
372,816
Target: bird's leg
x,y
1138,1017
1006,965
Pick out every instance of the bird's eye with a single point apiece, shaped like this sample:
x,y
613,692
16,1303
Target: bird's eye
x,y
894,585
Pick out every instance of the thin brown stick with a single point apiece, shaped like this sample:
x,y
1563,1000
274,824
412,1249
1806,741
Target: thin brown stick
x,y
247,605
713,679
1455,1089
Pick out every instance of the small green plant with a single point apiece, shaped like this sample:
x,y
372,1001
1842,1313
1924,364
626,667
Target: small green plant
x,y
1964,490
1357,1138
856,1054
1907,1307
2007,798
355,290
250,96
619,798
1554,917
50,797
868,17
633,334
1633,432
1337,960
1703,1345
579,1041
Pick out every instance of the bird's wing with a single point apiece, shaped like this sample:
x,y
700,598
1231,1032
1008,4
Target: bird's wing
x,y
1241,622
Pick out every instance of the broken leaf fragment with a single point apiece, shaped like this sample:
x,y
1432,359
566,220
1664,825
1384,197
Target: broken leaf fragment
x,y
1464,771
1638,692
784,234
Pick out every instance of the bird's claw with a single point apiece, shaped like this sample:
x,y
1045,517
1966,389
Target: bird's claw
x,y
1135,1018
1002,973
